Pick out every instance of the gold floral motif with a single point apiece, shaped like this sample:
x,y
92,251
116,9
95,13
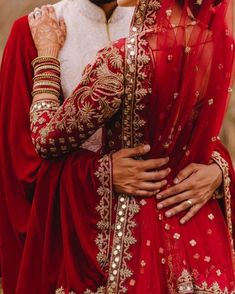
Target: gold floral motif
x,y
104,208
129,240
213,289
62,291
101,290
145,17
187,285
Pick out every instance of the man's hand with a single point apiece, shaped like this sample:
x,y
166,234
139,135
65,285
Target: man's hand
x,y
138,177
194,187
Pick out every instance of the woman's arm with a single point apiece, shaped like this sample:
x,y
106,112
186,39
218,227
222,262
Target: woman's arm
x,y
57,130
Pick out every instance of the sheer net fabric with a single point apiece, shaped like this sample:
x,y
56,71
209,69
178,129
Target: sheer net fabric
x,y
197,34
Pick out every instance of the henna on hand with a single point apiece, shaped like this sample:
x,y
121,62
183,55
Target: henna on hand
x,y
48,34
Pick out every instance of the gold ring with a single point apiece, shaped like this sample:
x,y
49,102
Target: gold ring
x,y
190,203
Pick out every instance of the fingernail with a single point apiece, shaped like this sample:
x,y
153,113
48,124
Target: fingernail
x,y
159,196
147,147
176,181
158,191
168,214
167,158
182,221
159,206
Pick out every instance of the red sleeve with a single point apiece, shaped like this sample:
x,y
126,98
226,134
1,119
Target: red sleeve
x,y
95,100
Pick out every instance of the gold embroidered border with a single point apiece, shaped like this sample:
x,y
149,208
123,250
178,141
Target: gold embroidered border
x,y
135,91
185,285
216,156
144,16
104,175
101,290
118,271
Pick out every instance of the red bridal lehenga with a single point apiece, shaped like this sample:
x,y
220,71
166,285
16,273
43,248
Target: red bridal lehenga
x,y
166,85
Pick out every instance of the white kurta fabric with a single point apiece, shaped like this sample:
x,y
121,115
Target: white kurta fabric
x,y
88,31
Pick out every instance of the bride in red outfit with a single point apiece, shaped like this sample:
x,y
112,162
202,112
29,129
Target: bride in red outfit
x,y
167,86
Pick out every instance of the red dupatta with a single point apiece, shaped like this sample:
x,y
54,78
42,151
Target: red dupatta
x,y
166,101
46,208
60,253
176,103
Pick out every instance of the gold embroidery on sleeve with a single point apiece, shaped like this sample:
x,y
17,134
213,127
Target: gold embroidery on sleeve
x,y
98,98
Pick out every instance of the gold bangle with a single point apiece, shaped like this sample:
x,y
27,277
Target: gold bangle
x,y
44,59
47,67
46,76
46,91
46,83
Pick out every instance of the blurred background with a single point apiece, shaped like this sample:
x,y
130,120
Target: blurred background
x,y
12,9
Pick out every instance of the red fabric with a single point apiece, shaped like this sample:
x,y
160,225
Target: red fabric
x,y
60,248
19,162
48,256
195,62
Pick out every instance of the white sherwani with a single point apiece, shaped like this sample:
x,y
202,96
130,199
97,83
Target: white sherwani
x,y
87,32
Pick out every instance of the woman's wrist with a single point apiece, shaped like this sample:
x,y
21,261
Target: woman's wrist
x,y
50,52
46,79
219,174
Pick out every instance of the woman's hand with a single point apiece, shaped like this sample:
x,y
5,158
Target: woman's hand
x,y
138,177
48,34
194,187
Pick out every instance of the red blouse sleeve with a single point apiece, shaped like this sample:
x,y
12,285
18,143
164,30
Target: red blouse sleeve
x,y
59,130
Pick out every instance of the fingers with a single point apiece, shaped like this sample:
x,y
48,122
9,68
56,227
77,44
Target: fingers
x,y
52,13
174,200
45,10
186,172
63,26
154,176
31,18
144,193
149,186
133,152
191,213
153,164
175,190
178,209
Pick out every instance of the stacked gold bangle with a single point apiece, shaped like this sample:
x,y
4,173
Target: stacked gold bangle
x,y
46,76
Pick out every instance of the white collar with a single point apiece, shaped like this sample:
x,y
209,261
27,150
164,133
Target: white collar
x,y
94,12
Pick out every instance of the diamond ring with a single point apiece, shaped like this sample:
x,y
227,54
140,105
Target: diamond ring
x,y
38,13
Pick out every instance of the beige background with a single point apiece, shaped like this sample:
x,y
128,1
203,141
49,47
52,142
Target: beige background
x,y
12,9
